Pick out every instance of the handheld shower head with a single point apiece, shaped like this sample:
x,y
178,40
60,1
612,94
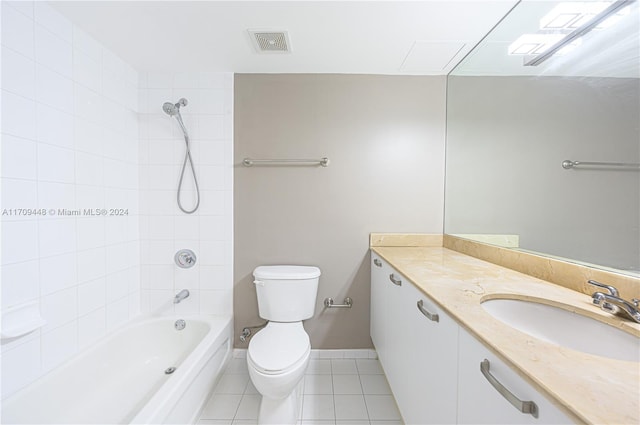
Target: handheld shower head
x,y
172,109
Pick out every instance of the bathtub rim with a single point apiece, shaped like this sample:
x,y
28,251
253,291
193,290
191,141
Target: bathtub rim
x,y
219,330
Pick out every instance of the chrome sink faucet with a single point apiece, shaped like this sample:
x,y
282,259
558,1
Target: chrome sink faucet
x,y
181,296
612,303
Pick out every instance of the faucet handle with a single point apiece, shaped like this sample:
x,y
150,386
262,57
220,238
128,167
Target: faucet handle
x,y
612,290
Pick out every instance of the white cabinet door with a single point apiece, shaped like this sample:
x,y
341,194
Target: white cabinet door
x,y
479,402
432,347
394,362
379,273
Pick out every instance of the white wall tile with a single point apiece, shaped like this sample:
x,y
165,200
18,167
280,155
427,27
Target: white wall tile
x,y
158,276
211,127
55,164
54,89
53,52
23,6
20,365
18,73
89,169
92,327
87,45
17,31
159,80
57,273
117,286
91,232
87,71
19,194
51,19
216,302
92,296
86,154
59,308
91,264
18,158
18,116
19,241
56,196
87,104
59,345
88,136
190,305
212,101
57,237
117,313
20,283
54,126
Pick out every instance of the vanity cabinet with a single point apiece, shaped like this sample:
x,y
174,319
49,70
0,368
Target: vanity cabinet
x,y
434,366
480,402
416,343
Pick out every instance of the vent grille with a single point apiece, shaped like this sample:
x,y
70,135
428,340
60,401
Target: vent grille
x,y
270,41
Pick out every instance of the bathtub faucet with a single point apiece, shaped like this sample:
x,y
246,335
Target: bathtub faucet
x,y
181,296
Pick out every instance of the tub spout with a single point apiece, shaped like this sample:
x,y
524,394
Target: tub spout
x,y
181,296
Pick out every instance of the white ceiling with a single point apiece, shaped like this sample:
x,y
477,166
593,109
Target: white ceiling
x,y
360,37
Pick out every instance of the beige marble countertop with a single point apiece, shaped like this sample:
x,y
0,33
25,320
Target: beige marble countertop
x,y
590,388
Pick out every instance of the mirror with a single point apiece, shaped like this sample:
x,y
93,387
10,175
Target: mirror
x,y
511,126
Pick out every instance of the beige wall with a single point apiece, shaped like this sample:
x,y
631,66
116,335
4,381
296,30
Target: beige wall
x,y
384,137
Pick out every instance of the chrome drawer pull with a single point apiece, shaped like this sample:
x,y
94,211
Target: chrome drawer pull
x,y
395,281
377,262
431,316
524,406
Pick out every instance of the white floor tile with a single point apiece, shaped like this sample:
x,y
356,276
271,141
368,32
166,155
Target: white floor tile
x,y
236,366
318,407
251,389
232,384
245,422
319,367
347,422
312,422
248,408
215,422
369,366
382,407
375,384
398,422
346,384
221,406
350,407
318,384
344,367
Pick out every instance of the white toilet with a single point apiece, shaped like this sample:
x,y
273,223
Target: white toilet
x,y
278,355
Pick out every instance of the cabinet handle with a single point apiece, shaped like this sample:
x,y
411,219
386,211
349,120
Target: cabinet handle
x,y
395,281
377,262
524,406
431,316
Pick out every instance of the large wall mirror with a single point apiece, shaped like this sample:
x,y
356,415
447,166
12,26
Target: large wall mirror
x,y
553,82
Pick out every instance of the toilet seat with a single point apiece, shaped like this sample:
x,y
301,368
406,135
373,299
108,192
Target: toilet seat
x,y
278,348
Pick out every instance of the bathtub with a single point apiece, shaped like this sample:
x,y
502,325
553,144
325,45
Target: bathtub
x,y
122,379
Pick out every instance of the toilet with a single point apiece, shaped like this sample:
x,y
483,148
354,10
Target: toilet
x,y
279,354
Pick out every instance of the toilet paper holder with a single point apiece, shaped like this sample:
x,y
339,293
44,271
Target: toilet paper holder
x,y
328,303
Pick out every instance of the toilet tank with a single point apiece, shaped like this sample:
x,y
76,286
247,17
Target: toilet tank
x,y
286,293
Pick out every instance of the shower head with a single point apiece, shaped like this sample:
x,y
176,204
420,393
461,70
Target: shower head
x,y
172,109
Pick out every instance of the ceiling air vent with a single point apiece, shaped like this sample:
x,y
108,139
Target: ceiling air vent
x,y
270,41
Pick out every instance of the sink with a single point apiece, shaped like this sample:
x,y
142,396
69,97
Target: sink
x,y
565,328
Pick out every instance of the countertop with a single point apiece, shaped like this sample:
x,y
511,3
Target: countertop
x,y
590,388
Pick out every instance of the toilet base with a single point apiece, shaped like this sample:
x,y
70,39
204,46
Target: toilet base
x,y
283,411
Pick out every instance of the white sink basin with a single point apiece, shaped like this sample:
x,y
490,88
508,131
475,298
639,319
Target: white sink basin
x,y
565,328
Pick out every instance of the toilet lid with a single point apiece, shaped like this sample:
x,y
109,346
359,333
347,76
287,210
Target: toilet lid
x,y
278,346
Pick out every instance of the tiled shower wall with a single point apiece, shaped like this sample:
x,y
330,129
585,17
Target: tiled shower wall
x,y
69,141
164,229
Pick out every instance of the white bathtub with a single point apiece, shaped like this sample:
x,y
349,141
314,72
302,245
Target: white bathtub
x,y
122,379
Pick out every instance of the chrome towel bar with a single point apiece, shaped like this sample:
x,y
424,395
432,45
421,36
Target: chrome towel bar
x,y
328,303
248,162
567,164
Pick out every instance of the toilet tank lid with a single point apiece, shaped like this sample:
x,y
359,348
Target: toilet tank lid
x,y
286,272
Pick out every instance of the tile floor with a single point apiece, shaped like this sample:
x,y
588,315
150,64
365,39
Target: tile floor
x,y
336,392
